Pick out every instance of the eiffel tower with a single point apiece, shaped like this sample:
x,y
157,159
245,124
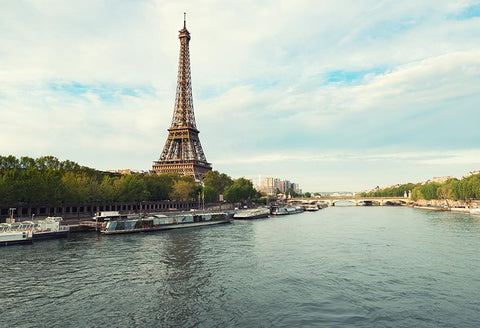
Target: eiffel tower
x,y
183,152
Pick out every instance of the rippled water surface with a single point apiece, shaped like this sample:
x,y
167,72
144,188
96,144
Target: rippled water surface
x,y
344,266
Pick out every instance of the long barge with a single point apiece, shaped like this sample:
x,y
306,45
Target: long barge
x,y
168,221
251,214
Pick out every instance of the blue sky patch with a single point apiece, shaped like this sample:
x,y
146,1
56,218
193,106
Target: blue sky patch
x,y
210,91
350,77
106,92
469,12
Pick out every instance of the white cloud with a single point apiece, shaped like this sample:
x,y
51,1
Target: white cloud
x,y
258,72
443,157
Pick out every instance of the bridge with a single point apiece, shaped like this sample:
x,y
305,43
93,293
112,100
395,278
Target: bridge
x,y
356,200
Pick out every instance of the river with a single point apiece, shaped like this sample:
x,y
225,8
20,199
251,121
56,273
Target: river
x,y
341,266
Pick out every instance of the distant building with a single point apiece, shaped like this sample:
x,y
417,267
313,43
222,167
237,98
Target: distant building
x,y
471,173
438,179
273,186
127,171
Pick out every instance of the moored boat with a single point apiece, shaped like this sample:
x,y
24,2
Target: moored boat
x,y
27,231
311,207
48,228
460,209
165,222
11,234
475,210
287,210
109,216
253,213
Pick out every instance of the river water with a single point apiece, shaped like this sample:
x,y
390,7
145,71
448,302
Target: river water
x,y
341,266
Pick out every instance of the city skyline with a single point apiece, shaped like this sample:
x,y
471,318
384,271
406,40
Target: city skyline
x,y
342,95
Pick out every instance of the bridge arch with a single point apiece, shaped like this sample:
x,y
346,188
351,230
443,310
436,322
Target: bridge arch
x,y
351,202
370,202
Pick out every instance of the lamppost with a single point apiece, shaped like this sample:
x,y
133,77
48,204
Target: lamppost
x,y
11,210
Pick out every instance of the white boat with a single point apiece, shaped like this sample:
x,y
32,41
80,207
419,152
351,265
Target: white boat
x,y
462,209
27,231
253,213
165,222
109,216
475,210
286,210
10,234
50,227
311,207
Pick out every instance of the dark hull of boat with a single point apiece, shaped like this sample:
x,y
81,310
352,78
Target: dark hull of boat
x,y
16,242
168,227
50,235
287,213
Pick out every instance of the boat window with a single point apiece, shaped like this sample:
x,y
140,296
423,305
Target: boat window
x,y
111,226
120,225
130,224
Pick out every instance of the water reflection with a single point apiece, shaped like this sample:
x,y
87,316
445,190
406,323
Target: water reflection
x,y
195,272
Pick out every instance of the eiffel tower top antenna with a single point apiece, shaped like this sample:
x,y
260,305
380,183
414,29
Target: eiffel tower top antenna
x,y
184,20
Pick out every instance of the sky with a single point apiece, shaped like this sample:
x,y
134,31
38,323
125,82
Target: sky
x,y
335,95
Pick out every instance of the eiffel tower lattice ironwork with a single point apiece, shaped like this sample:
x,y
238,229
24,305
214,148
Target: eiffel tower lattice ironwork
x,y
183,152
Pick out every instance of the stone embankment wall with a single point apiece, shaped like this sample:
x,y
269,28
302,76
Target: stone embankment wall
x,y
448,202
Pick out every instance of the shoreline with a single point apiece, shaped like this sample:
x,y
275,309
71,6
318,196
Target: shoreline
x,y
460,210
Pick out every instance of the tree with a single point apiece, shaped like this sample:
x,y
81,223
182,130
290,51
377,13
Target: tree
x,y
47,162
467,188
183,189
290,192
160,186
217,181
51,187
211,194
308,195
397,191
69,166
11,186
27,162
241,190
416,194
429,190
130,188
76,187
106,189
8,163
445,191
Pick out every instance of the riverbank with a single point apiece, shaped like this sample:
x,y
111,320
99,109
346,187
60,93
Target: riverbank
x,y
461,208
448,202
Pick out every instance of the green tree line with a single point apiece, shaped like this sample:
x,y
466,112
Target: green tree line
x,y
464,189
49,181
233,191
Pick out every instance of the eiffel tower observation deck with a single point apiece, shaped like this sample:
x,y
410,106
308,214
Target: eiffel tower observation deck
x,y
183,152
